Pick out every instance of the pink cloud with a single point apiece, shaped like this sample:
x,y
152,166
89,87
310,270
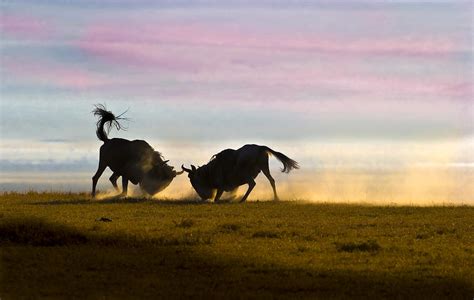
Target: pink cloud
x,y
272,75
267,62
256,64
220,36
54,74
461,89
342,76
25,26
142,55
397,85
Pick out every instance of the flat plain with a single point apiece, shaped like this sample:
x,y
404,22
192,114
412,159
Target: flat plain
x,y
56,245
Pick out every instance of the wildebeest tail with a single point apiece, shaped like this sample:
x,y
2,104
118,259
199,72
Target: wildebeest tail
x,y
288,163
107,119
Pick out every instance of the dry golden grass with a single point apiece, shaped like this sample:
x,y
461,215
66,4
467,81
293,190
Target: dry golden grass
x,y
67,245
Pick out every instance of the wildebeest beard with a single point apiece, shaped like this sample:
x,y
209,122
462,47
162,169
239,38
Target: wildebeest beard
x,y
201,183
216,173
157,178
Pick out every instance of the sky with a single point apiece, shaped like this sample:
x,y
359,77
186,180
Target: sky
x,y
333,84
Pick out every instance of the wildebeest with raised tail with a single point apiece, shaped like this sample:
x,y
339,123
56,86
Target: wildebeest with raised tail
x,y
231,168
136,161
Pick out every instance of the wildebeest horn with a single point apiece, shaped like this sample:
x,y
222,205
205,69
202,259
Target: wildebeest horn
x,y
165,162
193,167
185,169
178,173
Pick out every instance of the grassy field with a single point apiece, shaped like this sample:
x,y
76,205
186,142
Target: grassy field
x,y
67,245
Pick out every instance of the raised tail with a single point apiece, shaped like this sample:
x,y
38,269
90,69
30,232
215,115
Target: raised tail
x,y
107,119
288,163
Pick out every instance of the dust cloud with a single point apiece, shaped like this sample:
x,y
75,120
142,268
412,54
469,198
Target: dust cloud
x,y
414,186
381,173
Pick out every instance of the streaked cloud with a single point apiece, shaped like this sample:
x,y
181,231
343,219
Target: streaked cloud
x,y
21,26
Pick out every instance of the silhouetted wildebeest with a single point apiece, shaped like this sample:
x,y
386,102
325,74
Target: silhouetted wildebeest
x,y
231,168
136,161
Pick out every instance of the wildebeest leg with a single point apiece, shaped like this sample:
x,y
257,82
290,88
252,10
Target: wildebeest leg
x,y
218,195
113,179
266,171
97,175
124,186
251,186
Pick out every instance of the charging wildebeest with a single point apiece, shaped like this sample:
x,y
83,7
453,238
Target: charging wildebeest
x,y
136,161
230,168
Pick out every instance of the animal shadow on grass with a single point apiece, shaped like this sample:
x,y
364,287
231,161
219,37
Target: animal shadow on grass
x,y
119,200
40,259
153,201
63,202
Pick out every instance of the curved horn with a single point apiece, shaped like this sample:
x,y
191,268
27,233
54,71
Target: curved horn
x,y
193,167
178,173
165,162
186,169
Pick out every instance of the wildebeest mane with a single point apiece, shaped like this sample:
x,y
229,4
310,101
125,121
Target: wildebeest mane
x,y
221,165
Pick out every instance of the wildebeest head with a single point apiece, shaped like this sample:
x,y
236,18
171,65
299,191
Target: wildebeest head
x,y
158,177
199,182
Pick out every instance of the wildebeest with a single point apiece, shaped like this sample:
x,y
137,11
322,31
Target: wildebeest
x,y
230,168
136,161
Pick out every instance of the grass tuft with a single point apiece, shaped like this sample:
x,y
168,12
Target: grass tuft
x,y
302,249
368,246
229,227
423,236
189,239
185,223
266,234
